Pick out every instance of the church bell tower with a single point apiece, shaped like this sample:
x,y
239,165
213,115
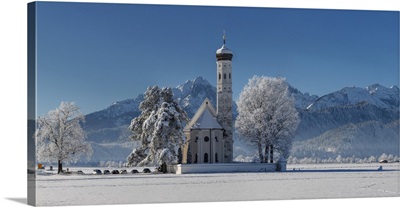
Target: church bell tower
x,y
224,97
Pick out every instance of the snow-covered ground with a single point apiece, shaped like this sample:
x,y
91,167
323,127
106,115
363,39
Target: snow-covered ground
x,y
299,182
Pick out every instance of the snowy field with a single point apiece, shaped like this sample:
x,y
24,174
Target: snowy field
x,y
299,182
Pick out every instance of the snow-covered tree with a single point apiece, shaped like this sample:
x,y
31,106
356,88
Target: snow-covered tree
x,y
60,137
396,158
391,158
267,116
339,159
159,128
372,159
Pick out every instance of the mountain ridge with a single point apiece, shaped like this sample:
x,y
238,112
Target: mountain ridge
x,y
374,94
321,117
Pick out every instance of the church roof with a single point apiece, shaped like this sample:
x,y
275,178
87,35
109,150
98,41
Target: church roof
x,y
224,50
204,118
206,121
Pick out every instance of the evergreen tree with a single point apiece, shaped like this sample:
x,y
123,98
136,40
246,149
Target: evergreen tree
x,y
159,128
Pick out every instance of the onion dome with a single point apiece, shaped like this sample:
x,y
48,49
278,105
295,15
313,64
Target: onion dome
x,y
224,53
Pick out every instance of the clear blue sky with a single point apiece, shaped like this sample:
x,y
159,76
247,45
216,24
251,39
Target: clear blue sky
x,y
95,54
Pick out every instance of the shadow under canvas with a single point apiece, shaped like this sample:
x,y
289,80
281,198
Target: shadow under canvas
x,y
19,200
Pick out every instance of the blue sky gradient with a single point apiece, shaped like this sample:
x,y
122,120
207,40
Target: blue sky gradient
x,y
95,54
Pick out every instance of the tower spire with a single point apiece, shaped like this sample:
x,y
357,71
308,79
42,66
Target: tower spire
x,y
224,53
224,37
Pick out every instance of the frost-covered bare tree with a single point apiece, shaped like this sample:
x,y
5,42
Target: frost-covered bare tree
x,y
60,137
158,128
267,116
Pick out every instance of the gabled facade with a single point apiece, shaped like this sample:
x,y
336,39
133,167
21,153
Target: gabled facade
x,y
204,137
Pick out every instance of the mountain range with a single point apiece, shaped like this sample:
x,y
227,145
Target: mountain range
x,y
352,121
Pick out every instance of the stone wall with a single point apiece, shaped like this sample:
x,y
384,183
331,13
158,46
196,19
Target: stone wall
x,y
223,168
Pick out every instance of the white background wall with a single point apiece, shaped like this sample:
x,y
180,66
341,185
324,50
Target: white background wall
x,y
13,96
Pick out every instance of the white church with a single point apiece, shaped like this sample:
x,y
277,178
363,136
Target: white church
x,y
209,134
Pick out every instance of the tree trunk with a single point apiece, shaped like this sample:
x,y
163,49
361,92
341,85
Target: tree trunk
x,y
59,166
260,153
271,158
179,155
266,152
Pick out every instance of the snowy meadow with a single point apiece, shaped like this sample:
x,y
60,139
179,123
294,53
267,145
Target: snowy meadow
x,y
301,181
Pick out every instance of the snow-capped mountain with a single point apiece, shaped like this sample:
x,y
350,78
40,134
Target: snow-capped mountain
x,y
192,93
302,101
375,94
111,124
352,121
314,123
327,122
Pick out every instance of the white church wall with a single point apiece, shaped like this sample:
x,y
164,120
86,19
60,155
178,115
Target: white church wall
x,y
211,147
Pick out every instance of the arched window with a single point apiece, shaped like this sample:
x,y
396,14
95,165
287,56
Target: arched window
x,y
216,157
224,76
205,157
229,76
219,76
